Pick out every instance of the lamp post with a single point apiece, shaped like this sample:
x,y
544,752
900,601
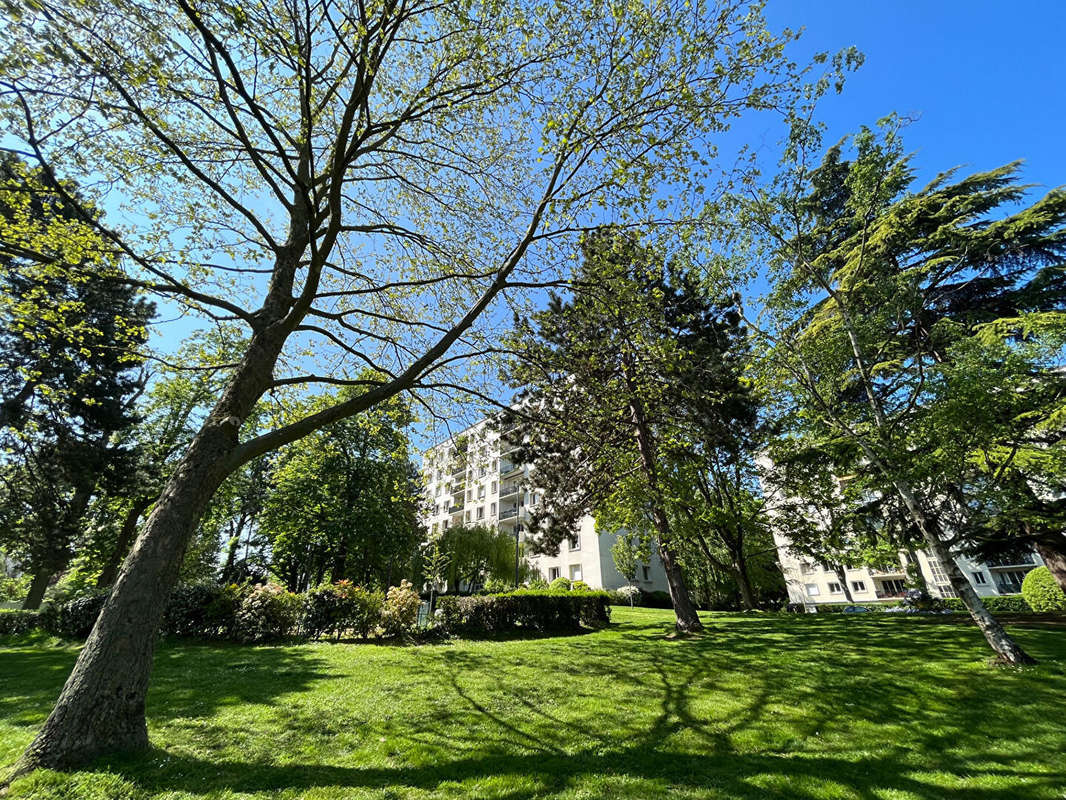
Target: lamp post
x,y
517,530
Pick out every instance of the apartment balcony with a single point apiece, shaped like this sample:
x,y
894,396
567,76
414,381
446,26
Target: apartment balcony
x,y
882,595
888,572
507,469
510,513
508,489
1012,561
457,508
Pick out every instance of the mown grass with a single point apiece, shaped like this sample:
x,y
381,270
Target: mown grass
x,y
761,706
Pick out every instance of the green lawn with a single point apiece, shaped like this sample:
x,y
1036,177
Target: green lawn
x,y
760,706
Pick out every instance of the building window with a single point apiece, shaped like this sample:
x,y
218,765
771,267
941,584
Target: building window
x,y
979,578
467,516
494,484
469,494
892,586
645,572
835,588
553,573
937,570
858,586
481,473
492,509
575,541
813,590
481,512
575,572
481,493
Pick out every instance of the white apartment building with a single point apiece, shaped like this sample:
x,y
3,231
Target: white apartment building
x,y
469,479
811,583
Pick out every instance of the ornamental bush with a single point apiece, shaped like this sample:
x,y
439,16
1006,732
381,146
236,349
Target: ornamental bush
x,y
267,613
560,584
1042,592
399,615
626,596
13,621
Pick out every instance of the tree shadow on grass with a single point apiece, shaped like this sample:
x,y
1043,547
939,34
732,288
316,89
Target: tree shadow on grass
x,y
757,707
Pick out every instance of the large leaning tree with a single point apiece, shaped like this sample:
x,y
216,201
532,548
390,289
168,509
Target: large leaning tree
x,y
875,355
356,182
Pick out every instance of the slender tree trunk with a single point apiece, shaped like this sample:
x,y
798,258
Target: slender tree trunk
x,y
125,539
997,637
688,621
915,569
1052,548
842,576
38,587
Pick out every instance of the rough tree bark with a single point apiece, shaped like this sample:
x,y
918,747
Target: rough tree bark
x,y
1052,548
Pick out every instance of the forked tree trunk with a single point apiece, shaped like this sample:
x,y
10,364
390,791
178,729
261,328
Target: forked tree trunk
x,y
38,587
1052,548
842,576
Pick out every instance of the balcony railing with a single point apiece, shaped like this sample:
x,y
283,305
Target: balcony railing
x,y
510,513
457,508
507,468
888,571
886,595
1011,560
510,488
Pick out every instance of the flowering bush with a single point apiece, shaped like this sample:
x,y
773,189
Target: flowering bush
x,y
400,612
267,613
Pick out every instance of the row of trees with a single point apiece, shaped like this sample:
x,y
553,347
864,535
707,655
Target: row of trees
x,y
901,388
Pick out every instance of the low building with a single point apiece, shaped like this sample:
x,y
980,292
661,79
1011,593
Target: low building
x,y
470,479
812,583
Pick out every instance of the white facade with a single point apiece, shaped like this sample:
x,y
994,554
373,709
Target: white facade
x,y
469,480
812,583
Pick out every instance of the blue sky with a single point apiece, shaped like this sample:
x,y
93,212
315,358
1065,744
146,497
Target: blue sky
x,y
986,79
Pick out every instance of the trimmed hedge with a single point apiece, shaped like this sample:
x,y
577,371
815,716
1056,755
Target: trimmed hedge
x,y
14,621
524,609
1042,592
997,604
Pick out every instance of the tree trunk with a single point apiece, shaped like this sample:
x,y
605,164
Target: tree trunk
x,y
1052,548
122,545
37,589
747,597
842,576
688,621
102,706
997,637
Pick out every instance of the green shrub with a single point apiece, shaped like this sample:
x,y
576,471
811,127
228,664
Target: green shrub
x,y
203,610
496,585
1042,592
537,584
560,584
267,613
364,611
524,609
658,600
13,620
580,586
997,604
399,614
73,618
14,588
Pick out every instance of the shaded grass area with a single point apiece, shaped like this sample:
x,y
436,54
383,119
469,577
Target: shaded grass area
x,y
760,706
